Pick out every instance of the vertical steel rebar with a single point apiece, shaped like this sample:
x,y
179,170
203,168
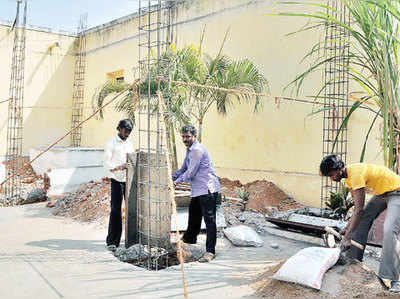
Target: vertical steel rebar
x,y
154,37
79,83
336,81
15,110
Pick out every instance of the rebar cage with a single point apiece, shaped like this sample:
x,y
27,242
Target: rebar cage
x,y
15,111
154,212
336,82
79,83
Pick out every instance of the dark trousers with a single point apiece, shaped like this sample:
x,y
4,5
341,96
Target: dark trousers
x,y
202,206
390,264
115,223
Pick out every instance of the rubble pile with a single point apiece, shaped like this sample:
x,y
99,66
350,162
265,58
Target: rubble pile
x,y
91,202
33,187
264,198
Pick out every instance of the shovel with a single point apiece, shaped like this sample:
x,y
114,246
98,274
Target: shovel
x,y
342,260
330,230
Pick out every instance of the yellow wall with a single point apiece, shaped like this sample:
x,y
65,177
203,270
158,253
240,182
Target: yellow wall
x,y
48,87
281,145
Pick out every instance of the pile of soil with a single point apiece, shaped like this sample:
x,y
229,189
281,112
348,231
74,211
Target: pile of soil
x,y
91,202
350,281
262,195
229,188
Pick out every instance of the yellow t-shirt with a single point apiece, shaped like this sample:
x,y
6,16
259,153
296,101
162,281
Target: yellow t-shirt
x,y
379,179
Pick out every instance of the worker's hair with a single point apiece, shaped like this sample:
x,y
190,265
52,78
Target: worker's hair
x,y
329,163
189,129
125,124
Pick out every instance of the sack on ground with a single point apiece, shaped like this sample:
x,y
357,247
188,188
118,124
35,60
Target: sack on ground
x,y
242,235
308,266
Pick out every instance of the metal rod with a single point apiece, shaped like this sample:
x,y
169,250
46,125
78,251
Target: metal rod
x,y
15,111
79,83
336,82
154,36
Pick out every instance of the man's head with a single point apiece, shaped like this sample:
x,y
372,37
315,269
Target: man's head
x,y
332,166
189,135
124,128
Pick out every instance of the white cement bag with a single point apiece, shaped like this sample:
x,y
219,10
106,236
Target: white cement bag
x,y
308,266
242,235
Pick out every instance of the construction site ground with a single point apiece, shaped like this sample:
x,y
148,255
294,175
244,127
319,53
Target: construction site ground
x,y
48,256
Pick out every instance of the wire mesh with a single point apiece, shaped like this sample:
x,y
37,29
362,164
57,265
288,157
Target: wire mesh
x,y
15,110
336,80
154,213
79,83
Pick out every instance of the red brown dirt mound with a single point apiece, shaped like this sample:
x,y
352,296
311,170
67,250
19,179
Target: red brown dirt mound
x,y
265,194
262,194
228,187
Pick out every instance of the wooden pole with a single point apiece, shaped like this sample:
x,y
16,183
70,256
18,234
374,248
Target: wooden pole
x,y
171,192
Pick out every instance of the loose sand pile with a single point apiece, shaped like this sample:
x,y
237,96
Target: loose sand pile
x,y
350,281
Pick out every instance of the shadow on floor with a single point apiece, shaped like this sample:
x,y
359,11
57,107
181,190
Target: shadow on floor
x,y
67,244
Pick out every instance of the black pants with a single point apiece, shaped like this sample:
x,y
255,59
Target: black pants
x,y
202,206
115,223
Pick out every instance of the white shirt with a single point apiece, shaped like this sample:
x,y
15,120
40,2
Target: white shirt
x,y
115,155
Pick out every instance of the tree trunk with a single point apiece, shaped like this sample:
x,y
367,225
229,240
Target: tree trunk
x,y
173,146
200,129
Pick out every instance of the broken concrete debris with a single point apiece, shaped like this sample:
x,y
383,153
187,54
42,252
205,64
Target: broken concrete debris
x,y
191,252
130,254
33,187
274,245
242,235
36,195
91,202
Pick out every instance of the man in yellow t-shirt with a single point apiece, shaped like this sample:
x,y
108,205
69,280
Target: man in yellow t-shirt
x,y
385,184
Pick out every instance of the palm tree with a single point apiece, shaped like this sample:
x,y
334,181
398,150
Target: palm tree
x,y
127,103
373,63
194,66
223,72
187,103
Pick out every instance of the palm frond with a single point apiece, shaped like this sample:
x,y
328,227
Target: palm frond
x,y
373,62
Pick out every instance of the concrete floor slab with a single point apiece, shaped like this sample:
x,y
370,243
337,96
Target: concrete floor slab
x,y
44,256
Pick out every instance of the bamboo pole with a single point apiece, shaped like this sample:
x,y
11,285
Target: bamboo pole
x,y
171,193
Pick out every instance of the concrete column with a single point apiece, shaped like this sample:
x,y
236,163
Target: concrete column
x,y
131,218
153,218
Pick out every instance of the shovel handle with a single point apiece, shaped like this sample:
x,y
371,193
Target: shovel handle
x,y
330,230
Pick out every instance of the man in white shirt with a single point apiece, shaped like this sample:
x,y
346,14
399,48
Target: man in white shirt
x,y
115,161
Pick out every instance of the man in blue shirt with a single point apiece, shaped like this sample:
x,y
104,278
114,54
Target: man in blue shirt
x,y
197,170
